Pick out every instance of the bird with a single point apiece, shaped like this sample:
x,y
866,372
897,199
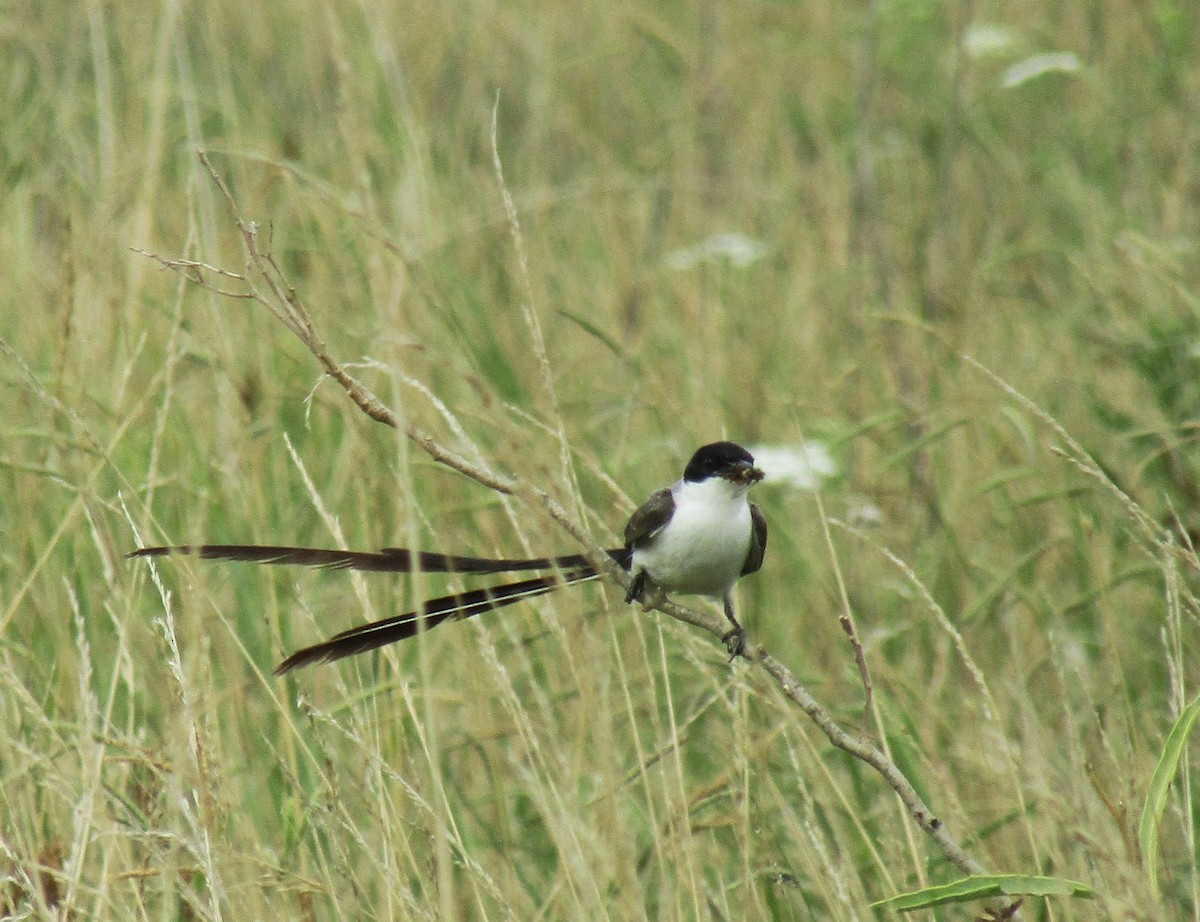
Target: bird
x,y
698,536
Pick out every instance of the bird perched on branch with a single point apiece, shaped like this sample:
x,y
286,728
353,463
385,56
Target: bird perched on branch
x,y
696,537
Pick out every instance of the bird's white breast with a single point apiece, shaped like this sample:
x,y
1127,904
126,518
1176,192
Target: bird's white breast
x,y
702,550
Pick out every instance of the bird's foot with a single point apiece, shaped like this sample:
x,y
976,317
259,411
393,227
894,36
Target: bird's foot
x,y
735,643
637,589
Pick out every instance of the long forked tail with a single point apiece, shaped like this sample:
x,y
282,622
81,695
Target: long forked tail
x,y
571,568
454,607
387,560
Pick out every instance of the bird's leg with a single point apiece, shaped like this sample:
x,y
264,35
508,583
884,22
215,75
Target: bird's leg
x,y
735,640
645,591
637,588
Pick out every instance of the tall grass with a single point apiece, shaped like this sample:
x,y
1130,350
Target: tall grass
x,y
1030,629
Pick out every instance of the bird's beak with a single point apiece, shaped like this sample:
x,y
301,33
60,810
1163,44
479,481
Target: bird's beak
x,y
744,472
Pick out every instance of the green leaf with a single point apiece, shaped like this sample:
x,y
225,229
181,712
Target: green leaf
x,y
1160,783
985,886
595,331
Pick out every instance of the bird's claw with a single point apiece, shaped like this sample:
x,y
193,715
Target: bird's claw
x,y
735,643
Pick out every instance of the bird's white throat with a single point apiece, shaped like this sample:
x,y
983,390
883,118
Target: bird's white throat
x,y
702,549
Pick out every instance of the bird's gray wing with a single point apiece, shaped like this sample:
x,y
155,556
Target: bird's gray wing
x,y
758,541
649,518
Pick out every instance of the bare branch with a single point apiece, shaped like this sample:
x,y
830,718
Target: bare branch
x,y
194,272
866,752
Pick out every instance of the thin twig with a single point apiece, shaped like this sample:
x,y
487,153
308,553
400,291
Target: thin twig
x,y
873,756
846,620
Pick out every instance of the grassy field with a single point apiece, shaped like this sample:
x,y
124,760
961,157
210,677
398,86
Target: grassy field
x,y
913,191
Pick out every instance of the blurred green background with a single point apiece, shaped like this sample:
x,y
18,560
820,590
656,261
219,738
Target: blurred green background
x,y
774,222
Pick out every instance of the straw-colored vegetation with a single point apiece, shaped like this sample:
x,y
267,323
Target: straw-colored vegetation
x,y
978,289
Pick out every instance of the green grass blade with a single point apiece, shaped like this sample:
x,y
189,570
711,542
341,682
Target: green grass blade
x,y
985,886
1160,783
595,331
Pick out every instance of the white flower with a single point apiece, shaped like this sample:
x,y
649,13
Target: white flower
x,y
864,514
1062,62
982,41
737,249
803,467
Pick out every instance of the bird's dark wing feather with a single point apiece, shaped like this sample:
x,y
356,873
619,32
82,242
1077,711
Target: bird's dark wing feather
x,y
758,541
649,518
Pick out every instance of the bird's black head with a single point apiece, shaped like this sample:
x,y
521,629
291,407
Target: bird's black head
x,y
722,459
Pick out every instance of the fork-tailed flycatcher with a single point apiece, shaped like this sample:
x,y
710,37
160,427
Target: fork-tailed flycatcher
x,y
696,537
